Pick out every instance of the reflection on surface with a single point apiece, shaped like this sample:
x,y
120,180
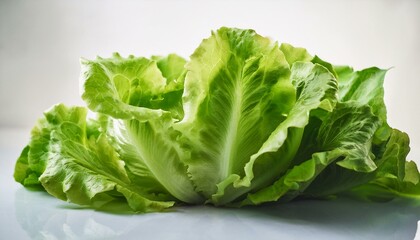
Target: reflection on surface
x,y
44,217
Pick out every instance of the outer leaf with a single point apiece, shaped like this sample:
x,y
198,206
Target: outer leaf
x,y
137,170
395,177
366,88
295,54
294,181
315,85
411,173
350,145
362,88
385,189
88,171
392,162
172,67
348,130
154,158
23,173
351,129
327,65
236,93
135,91
128,88
31,164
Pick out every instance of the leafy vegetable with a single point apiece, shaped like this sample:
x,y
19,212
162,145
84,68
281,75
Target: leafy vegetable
x,y
243,122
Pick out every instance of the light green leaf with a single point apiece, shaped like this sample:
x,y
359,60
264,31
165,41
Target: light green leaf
x,y
172,68
127,88
293,181
395,176
23,172
237,91
343,137
88,171
348,131
315,86
325,64
31,164
295,54
365,87
137,90
411,173
154,158
393,160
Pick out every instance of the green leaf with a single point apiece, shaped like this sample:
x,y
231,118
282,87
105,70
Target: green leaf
x,y
154,158
23,172
172,68
327,65
350,128
315,86
365,87
127,88
237,91
88,171
33,159
411,173
295,54
393,161
395,176
138,91
349,131
343,137
294,181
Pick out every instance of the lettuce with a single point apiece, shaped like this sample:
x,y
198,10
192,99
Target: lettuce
x,y
245,121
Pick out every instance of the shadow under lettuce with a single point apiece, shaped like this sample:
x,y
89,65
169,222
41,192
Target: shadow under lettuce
x,y
44,217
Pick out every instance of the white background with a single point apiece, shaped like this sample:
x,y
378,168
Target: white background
x,y
41,43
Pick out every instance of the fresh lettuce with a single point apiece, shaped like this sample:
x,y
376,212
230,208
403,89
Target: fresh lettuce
x,y
243,122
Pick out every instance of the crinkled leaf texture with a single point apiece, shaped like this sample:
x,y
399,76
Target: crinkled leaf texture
x,y
143,106
245,121
343,137
232,107
82,167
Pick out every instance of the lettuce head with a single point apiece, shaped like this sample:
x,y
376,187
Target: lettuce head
x,y
244,121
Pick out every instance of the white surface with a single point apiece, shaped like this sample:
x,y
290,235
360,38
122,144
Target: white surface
x,y
41,43
36,215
